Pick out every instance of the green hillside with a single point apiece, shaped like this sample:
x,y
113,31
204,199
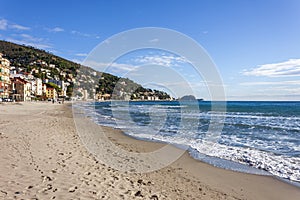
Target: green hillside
x,y
24,56
30,60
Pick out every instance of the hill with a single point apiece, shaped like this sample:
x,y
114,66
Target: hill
x,y
188,98
82,79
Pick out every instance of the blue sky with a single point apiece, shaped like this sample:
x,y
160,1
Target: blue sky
x,y
254,43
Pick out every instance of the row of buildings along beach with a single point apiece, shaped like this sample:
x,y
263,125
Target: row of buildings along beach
x,y
25,87
19,84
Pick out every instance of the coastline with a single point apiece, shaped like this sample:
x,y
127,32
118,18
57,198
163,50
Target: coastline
x,y
228,182
43,157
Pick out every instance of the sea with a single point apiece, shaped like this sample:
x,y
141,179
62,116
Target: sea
x,y
259,137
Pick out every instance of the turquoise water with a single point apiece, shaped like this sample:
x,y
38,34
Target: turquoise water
x,y
249,136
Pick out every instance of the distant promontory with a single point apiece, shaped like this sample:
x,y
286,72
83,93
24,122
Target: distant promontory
x,y
188,98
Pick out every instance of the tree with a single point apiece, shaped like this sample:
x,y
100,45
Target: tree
x,y
53,85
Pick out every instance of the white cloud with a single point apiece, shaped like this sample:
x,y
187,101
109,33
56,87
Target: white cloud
x,y
29,40
33,44
121,65
55,30
81,54
110,67
283,69
3,24
155,40
282,90
296,82
162,60
19,27
77,61
78,33
264,97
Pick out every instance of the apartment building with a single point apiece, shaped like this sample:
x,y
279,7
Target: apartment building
x,y
51,93
4,77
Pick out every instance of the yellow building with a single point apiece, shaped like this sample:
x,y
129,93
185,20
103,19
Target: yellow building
x,y
4,77
51,93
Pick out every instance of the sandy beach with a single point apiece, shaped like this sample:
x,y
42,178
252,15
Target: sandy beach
x,y
42,157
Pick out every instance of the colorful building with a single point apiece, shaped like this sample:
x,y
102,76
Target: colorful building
x,y
21,89
4,77
51,93
61,85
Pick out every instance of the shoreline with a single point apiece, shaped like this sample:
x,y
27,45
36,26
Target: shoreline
x,y
261,173
43,157
262,180
193,167
246,160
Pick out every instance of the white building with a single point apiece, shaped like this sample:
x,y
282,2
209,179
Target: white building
x,y
85,95
39,87
33,86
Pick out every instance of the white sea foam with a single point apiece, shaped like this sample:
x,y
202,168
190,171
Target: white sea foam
x,y
282,166
278,165
269,143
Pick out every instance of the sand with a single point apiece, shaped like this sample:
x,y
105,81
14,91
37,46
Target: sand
x,y
43,157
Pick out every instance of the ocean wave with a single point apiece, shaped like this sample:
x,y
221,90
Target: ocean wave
x,y
264,141
278,165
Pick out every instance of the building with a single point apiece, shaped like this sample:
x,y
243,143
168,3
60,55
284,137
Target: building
x,y
36,86
61,84
39,87
44,89
153,98
4,78
103,97
21,89
85,95
51,93
63,92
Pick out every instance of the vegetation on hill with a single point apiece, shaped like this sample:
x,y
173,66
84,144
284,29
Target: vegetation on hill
x,y
30,57
44,65
122,88
53,85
